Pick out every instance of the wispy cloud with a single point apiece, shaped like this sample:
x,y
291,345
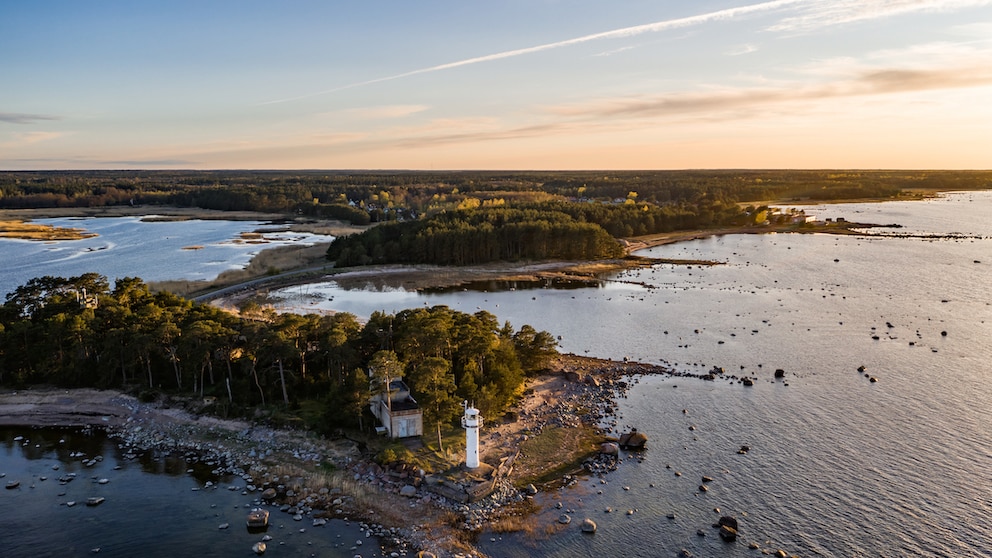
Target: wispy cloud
x,y
25,118
614,51
28,138
822,13
624,32
811,14
873,82
144,163
386,112
742,49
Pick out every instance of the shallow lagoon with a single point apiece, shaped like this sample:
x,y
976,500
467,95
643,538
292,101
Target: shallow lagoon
x,y
155,250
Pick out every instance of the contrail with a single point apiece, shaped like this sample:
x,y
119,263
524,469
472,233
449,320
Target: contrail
x,y
655,27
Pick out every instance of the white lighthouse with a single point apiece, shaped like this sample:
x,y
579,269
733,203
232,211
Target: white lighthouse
x,y
471,422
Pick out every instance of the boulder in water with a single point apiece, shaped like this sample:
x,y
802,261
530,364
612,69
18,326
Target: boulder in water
x,y
633,440
588,526
728,534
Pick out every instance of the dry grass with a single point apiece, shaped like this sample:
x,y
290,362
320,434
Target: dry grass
x,y
33,231
266,262
516,518
554,452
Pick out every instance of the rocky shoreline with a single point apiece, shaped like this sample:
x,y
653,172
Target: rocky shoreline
x,y
316,479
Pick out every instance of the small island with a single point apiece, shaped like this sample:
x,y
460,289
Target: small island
x,y
34,231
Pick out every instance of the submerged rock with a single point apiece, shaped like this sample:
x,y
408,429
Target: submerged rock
x,y
729,521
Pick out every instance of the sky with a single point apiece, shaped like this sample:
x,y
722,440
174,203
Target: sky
x,y
507,84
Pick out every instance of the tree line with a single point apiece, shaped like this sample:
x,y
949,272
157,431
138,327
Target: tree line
x,y
473,236
82,332
383,196
525,231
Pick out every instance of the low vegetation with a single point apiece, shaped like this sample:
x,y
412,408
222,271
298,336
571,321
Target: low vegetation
x,y
554,452
34,231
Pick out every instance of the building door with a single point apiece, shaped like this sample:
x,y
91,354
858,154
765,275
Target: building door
x,y
403,428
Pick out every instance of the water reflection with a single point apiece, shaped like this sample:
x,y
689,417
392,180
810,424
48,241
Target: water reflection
x,y
495,285
153,505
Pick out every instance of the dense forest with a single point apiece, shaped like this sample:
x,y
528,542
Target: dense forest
x,y
312,370
524,231
379,196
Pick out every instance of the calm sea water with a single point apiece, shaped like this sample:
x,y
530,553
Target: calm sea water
x,y
152,507
131,247
838,466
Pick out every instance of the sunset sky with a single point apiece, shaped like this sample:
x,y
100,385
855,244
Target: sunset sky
x,y
508,84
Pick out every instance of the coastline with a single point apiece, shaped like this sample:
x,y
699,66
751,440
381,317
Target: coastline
x,y
558,382
228,293
359,487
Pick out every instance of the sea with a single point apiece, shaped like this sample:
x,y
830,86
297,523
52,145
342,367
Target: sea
x,y
153,505
151,247
836,464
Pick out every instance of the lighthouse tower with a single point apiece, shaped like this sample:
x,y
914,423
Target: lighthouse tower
x,y
471,422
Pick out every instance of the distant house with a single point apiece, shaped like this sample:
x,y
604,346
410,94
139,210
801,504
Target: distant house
x,y
398,411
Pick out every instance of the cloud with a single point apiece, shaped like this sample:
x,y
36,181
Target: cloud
x,y
624,32
823,13
144,163
28,138
869,82
742,49
812,14
386,112
91,163
614,51
24,118
467,134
